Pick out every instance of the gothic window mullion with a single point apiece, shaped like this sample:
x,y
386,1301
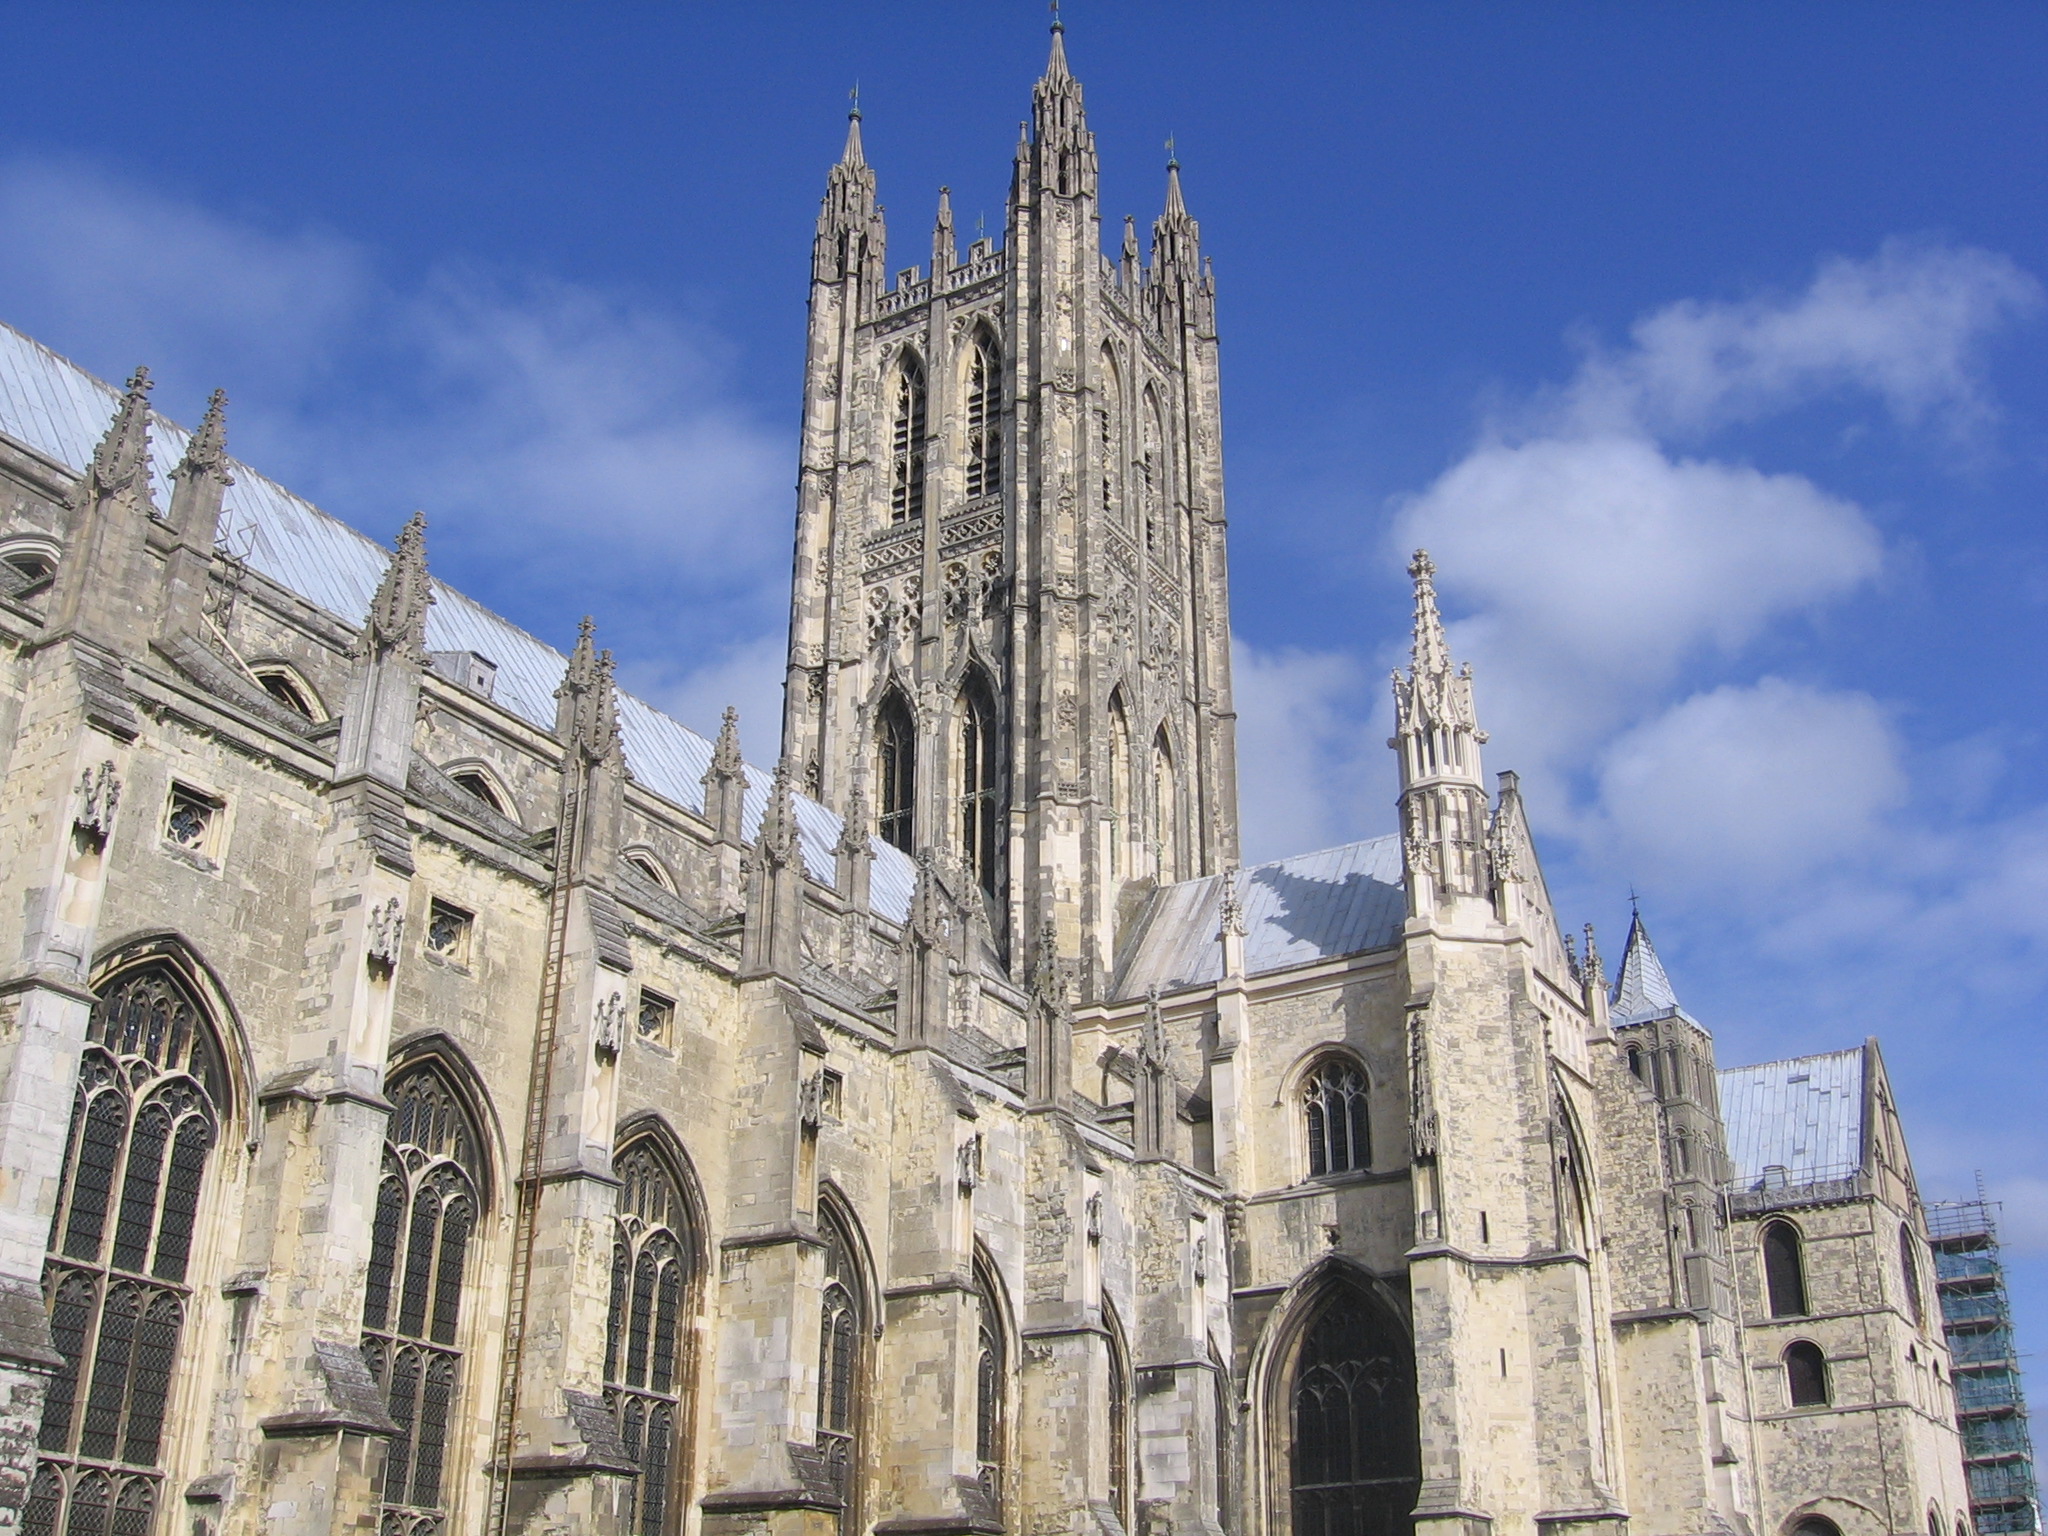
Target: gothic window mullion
x,y
120,1245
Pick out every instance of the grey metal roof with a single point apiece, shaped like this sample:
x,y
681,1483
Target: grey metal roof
x,y
61,411
1804,1116
1641,990
1339,901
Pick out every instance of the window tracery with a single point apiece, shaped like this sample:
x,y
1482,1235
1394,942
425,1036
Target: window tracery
x,y
428,1202
145,1116
989,1378
653,1255
1118,793
839,1370
1355,1462
1339,1131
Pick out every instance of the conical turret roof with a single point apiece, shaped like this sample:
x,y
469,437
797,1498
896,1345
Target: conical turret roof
x,y
1642,990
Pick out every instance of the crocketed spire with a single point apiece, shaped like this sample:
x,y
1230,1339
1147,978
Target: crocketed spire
x,y
120,464
1065,148
1435,693
850,236
398,613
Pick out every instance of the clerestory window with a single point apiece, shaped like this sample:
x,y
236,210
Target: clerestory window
x,y
144,1120
1334,1106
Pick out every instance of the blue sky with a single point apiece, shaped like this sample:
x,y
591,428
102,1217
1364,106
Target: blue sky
x,y
1704,345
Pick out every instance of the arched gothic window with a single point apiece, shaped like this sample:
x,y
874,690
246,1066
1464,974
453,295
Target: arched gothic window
x,y
1821,1525
1117,793
1909,1267
1167,811
1334,1105
990,1377
428,1203
1784,1270
984,418
839,1371
151,1087
1152,477
1356,1464
1120,1391
896,772
906,443
1806,1375
1109,436
980,789
654,1255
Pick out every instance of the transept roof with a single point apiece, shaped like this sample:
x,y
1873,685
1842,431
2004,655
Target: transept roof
x,y
1795,1122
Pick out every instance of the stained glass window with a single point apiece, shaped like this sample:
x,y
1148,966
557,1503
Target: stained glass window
x,y
654,1253
427,1207
144,1121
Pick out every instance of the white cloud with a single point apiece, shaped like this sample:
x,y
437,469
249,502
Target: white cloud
x,y
1758,785
573,447
1310,771
1908,325
1600,566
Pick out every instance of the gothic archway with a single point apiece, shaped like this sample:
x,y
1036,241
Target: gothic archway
x,y
1350,1455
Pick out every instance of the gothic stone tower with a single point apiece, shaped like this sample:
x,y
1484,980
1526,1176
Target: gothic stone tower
x,y
1009,635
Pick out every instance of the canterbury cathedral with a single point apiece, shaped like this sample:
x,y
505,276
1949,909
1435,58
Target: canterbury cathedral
x,y
440,1093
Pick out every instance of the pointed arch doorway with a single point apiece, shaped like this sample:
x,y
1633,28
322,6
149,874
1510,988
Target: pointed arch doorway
x,y
1352,1457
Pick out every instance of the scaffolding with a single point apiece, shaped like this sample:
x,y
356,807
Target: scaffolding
x,y
1998,1451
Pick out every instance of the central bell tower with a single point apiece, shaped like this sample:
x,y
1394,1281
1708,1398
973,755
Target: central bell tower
x,y
1010,629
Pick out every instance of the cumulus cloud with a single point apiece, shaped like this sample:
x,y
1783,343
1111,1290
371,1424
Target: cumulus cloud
x,y
1763,783
1908,325
1309,772
574,448
1601,568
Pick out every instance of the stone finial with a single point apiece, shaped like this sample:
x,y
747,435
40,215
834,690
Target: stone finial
x,y
1130,241
726,761
120,464
1596,975
207,452
857,824
945,251
778,837
1231,923
587,702
398,613
930,911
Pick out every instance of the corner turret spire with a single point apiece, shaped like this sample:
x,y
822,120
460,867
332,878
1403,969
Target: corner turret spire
x,y
850,236
1065,149
1436,731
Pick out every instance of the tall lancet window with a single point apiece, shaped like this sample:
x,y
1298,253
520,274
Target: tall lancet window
x,y
896,772
1339,1132
906,443
1109,436
1168,831
1117,792
984,418
1152,477
1119,1415
427,1208
990,1379
654,1255
980,793
839,1371
144,1120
